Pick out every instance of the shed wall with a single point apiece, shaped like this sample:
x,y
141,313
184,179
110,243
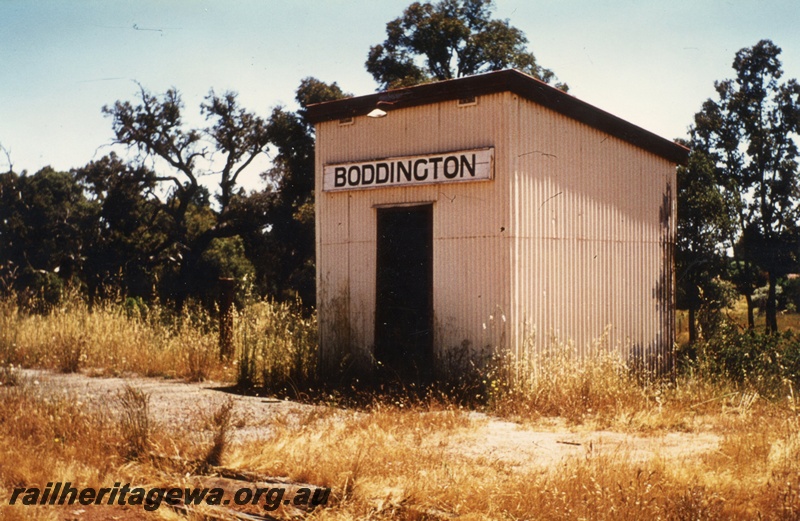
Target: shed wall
x,y
471,238
594,226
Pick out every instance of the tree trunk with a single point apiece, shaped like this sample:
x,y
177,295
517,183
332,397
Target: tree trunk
x,y
692,326
185,286
772,305
227,290
751,321
91,288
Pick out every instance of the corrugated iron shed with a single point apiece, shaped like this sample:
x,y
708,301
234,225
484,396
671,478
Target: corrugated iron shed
x,y
571,237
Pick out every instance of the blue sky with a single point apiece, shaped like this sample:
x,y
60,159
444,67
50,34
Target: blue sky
x,y
650,62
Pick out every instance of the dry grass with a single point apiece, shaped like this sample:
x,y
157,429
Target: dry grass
x,y
737,315
46,438
273,342
47,435
394,463
135,422
554,381
276,345
110,340
220,421
407,461
401,460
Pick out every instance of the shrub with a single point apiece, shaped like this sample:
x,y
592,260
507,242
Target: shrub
x,y
764,362
760,297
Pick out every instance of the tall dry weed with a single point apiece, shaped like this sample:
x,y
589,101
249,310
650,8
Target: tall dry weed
x,y
277,345
555,380
135,423
221,421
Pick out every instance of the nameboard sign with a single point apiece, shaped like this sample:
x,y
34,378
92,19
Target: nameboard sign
x,y
449,167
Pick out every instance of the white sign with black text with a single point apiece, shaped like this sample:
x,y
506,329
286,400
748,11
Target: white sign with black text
x,y
449,167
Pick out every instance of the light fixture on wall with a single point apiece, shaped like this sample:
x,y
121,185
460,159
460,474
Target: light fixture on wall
x,y
377,113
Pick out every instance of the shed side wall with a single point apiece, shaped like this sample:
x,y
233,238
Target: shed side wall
x,y
594,233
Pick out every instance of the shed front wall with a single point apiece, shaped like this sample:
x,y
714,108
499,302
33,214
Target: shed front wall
x,y
594,222
471,229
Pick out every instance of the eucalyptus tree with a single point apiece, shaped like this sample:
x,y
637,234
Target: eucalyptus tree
x,y
154,128
749,132
449,39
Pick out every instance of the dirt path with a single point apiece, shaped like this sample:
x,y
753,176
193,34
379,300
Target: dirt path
x,y
519,445
178,405
174,404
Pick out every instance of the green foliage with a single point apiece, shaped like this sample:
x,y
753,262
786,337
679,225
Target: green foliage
x,y
449,39
146,228
703,223
760,296
766,363
42,218
790,288
286,249
121,228
41,290
135,308
716,296
123,243
225,257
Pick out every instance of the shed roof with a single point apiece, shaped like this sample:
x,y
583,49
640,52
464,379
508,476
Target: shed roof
x,y
510,80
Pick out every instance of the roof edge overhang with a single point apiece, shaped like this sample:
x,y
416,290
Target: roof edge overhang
x,y
510,80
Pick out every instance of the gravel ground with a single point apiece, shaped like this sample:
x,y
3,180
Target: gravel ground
x,y
174,404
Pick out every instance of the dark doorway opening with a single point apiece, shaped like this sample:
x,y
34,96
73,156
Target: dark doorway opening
x,y
404,292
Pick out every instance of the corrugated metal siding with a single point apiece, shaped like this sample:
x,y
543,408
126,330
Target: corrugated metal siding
x,y
471,245
594,230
